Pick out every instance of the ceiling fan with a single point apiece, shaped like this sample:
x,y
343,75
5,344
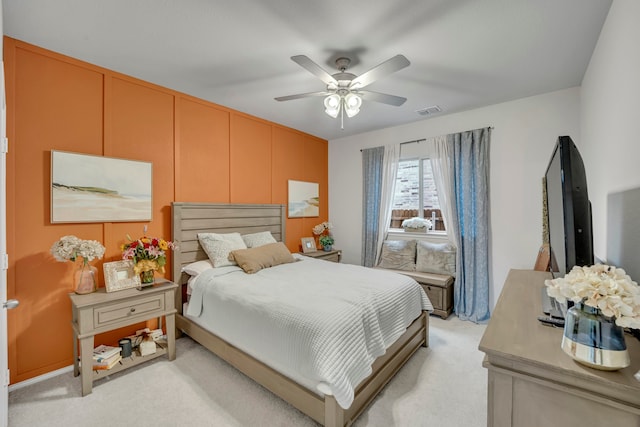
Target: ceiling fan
x,y
345,92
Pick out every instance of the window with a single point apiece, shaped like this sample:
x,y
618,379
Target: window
x,y
416,194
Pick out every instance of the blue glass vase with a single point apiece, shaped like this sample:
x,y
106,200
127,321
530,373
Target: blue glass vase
x,y
593,339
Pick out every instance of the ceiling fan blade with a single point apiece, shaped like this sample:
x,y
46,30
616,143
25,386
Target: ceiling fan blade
x,y
382,97
389,66
314,69
302,95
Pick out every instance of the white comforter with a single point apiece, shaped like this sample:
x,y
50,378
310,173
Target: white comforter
x,y
322,324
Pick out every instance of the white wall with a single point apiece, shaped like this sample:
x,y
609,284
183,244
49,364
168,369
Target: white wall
x,y
610,115
524,134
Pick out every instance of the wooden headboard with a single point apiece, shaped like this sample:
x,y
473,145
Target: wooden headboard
x,y
189,219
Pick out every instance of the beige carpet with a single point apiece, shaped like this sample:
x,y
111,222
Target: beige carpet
x,y
443,385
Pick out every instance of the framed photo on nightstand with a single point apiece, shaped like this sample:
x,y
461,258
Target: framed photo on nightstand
x,y
119,275
308,245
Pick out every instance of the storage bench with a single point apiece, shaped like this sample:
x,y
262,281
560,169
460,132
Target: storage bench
x,y
439,289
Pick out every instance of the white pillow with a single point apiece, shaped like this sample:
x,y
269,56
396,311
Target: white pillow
x,y
218,247
197,267
436,258
398,255
258,239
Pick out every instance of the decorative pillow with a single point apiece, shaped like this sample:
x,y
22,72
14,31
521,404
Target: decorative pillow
x,y
253,260
398,255
437,258
258,239
218,246
197,267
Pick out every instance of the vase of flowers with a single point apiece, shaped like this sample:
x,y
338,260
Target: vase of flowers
x,y
327,242
605,300
416,224
71,248
149,254
322,229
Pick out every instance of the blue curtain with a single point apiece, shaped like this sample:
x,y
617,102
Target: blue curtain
x,y
470,168
372,173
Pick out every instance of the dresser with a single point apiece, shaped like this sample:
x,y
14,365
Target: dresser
x,y
533,383
102,312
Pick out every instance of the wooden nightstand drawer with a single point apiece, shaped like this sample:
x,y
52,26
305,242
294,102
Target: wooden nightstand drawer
x,y
333,255
105,315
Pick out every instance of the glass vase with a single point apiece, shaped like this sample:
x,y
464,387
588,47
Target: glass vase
x,y
147,277
85,278
593,339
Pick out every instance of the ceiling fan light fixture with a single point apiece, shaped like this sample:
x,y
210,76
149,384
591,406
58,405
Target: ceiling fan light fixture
x,y
332,105
344,89
351,112
352,103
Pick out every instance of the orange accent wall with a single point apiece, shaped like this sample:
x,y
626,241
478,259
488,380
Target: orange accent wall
x,y
201,152
250,160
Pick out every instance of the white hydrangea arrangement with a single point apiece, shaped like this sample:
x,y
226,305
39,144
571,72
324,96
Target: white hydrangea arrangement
x,y
417,222
68,248
600,286
320,228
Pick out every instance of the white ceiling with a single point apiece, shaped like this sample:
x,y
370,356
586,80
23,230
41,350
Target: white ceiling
x,y
464,53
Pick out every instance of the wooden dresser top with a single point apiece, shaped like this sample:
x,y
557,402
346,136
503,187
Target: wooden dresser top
x,y
516,340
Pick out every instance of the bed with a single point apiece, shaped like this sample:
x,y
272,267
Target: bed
x,y
189,219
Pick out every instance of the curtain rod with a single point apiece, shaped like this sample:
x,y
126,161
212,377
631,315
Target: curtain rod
x,y
424,139
415,140
408,142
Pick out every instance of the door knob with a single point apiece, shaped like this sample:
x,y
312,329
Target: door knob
x,y
11,304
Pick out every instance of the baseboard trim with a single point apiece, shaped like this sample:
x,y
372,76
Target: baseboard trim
x,y
40,378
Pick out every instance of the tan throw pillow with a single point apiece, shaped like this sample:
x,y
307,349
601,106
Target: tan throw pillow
x,y
398,255
255,259
218,246
437,258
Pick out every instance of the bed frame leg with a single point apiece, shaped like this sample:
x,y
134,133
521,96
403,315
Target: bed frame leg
x,y
425,314
333,413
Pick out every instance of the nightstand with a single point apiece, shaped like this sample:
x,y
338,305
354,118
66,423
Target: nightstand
x,y
100,312
333,255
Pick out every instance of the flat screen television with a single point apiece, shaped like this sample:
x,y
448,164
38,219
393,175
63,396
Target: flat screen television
x,y
568,209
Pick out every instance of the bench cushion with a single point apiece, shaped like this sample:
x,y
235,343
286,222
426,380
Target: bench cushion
x,y
425,278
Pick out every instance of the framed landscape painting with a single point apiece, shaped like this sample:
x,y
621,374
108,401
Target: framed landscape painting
x,y
303,199
88,188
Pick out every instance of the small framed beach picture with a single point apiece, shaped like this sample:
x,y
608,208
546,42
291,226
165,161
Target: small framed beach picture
x,y
119,275
304,200
308,244
88,188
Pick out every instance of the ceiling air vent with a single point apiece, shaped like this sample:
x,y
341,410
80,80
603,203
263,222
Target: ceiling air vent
x,y
429,110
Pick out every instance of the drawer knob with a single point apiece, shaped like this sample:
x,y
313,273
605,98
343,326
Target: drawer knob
x,y
133,309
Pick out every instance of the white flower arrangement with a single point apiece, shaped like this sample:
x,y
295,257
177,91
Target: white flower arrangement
x,y
320,228
68,248
417,222
600,286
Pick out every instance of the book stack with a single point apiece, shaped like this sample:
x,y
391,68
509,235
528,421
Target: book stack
x,y
105,357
